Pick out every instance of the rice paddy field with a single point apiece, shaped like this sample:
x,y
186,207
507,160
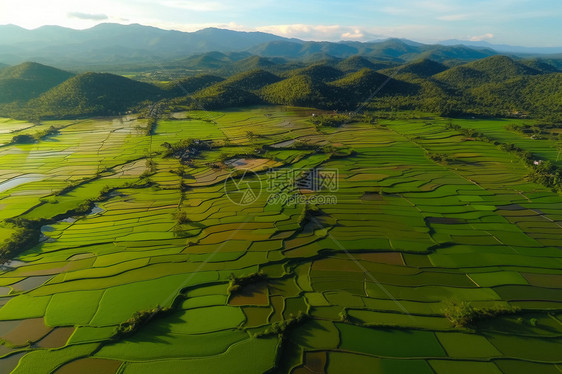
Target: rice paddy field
x,y
356,282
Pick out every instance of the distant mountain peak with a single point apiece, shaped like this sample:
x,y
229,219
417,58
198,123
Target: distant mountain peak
x,y
503,47
121,44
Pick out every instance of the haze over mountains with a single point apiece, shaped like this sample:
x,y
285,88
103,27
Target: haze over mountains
x,y
504,47
114,44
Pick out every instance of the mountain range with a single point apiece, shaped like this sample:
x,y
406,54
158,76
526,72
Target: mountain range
x,y
504,48
493,86
116,45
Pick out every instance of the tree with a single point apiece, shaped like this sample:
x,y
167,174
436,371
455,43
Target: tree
x,y
23,139
559,146
250,135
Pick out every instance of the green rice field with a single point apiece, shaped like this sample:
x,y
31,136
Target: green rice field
x,y
359,279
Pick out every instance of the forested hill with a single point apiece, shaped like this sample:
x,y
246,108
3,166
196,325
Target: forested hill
x,y
28,80
93,94
493,86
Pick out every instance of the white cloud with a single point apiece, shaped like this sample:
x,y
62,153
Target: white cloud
x,y
316,32
322,32
480,38
356,34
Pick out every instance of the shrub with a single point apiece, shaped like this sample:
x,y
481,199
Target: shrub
x,y
181,217
237,283
23,139
52,130
333,120
150,126
139,319
441,158
191,146
26,236
463,314
150,165
281,327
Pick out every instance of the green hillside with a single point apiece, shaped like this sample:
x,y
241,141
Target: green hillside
x,y
191,85
462,76
501,68
496,86
356,63
423,68
223,96
359,86
33,71
454,53
528,94
238,90
28,80
491,69
302,90
251,80
493,86
540,65
94,94
319,72
253,63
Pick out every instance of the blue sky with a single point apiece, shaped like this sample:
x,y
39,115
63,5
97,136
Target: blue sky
x,y
516,22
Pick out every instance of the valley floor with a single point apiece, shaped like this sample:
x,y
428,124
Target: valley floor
x,y
356,280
